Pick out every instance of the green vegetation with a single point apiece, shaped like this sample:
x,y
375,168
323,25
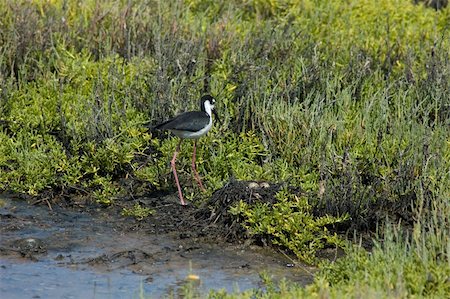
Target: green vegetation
x,y
137,212
348,100
301,232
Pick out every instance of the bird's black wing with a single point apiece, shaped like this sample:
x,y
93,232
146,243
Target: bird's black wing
x,y
191,121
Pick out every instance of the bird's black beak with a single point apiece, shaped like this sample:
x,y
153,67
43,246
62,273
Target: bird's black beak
x,y
217,117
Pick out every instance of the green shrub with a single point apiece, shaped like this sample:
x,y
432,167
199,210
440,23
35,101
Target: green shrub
x,y
290,223
30,162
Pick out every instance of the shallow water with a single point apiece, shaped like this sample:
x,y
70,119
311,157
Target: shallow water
x,y
73,254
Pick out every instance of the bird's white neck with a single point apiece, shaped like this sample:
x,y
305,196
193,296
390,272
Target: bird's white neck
x,y
208,107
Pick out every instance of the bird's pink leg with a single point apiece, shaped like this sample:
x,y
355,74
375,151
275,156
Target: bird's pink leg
x,y
194,169
172,163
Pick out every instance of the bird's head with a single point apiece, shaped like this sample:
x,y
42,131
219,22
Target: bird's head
x,y
207,104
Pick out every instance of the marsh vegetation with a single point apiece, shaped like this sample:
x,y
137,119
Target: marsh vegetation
x,y
344,104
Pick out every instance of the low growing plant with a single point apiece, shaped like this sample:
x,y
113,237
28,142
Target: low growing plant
x,y
290,223
138,212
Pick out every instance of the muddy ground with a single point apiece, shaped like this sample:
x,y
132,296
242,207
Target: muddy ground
x,y
171,246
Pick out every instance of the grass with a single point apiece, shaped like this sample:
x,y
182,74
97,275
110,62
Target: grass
x,y
347,100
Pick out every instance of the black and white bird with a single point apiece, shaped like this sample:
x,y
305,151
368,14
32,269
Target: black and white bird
x,y
190,125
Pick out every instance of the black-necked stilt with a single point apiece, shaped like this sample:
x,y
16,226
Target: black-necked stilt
x,y
190,125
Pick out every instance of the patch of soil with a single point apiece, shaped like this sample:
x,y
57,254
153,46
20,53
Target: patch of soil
x,y
212,220
215,212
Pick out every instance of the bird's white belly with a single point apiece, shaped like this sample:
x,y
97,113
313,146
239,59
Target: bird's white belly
x,y
193,135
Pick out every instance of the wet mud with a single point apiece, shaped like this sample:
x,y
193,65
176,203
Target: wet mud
x,y
62,250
